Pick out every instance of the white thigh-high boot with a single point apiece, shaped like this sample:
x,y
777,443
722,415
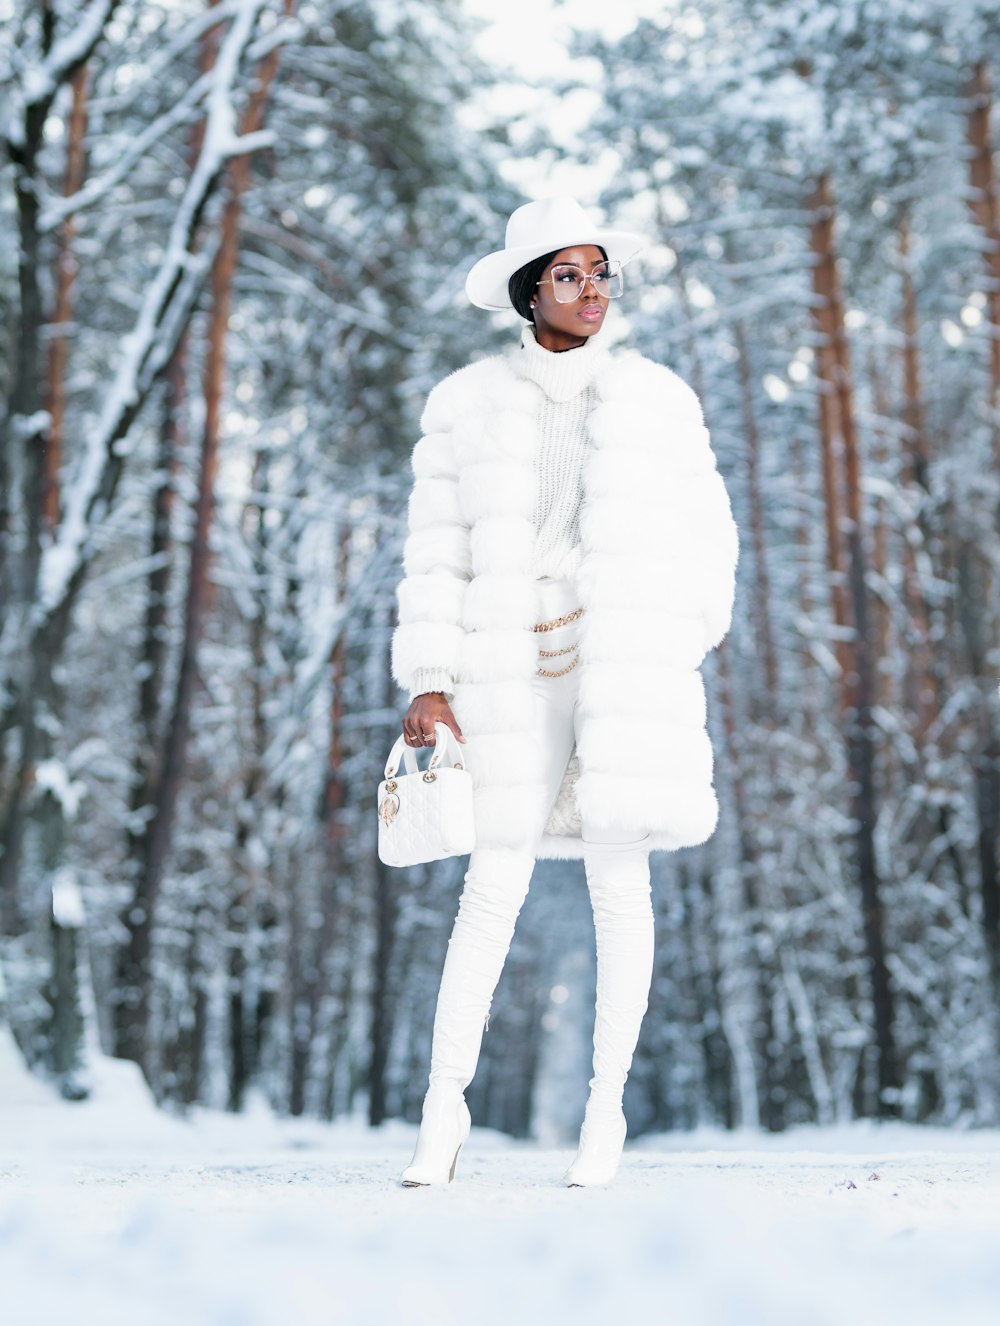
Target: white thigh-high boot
x,y
496,884
619,885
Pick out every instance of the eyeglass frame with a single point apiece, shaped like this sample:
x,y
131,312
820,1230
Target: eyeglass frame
x,y
614,269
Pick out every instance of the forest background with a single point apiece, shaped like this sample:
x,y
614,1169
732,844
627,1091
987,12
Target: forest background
x,y
235,239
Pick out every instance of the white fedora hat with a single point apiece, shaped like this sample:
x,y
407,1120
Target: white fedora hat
x,y
537,228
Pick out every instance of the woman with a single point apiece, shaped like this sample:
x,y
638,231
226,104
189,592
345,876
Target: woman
x,y
569,562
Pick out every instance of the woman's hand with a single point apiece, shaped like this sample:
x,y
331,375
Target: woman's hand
x,y
424,711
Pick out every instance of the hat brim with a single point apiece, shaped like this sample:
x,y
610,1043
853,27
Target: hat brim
x,y
486,283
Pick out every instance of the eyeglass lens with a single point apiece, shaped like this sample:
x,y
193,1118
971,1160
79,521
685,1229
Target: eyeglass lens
x,y
569,282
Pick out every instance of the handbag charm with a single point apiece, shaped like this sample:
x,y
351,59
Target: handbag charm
x,y
389,804
425,816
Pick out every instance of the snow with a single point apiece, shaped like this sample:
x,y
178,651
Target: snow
x,y
51,776
111,1212
67,900
39,82
19,1090
26,426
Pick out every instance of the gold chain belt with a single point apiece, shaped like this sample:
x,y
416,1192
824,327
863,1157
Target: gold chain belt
x,y
558,621
556,653
559,672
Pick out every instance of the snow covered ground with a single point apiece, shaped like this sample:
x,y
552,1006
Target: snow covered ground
x,y
112,1213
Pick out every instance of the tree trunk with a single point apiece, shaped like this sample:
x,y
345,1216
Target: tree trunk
x,y
30,704
242,913
65,1034
978,579
154,639
880,518
838,431
63,311
336,866
26,425
984,200
917,452
820,204
134,974
972,590
135,971
386,913
771,1090
925,669
24,428
762,582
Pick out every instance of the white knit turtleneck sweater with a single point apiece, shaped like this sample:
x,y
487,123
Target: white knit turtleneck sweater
x,y
566,378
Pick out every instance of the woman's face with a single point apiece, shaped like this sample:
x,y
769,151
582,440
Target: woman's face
x,y
561,326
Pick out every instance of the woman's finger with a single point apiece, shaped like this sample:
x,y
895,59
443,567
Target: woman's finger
x,y
411,732
422,727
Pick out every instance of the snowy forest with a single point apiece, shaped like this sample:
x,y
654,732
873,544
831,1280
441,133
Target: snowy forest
x,y
236,236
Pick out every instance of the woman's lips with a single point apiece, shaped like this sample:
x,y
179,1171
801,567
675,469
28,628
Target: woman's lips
x,y
592,314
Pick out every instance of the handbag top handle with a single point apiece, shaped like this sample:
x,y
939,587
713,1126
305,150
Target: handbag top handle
x,y
444,740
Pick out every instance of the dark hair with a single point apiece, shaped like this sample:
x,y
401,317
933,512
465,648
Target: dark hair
x,y
521,286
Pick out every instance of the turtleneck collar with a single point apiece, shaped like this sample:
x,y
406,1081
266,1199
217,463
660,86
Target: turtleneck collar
x,y
561,374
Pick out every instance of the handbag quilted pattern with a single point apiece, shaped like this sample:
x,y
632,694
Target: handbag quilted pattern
x,y
425,816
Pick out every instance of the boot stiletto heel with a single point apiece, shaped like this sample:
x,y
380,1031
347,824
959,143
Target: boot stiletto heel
x,y
602,1138
444,1130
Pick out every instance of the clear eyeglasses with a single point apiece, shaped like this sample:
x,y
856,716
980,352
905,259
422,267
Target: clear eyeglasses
x,y
569,282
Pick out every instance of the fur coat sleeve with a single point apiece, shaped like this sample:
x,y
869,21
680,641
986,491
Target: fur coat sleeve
x,y
436,560
715,541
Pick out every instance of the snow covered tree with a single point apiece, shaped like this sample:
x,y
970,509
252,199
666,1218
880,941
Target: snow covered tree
x,y
802,167
269,239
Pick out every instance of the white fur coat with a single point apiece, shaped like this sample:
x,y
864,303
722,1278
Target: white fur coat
x,y
656,579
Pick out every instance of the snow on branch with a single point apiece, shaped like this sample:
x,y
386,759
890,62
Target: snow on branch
x,y
286,30
221,139
148,345
96,188
51,777
192,31
67,900
40,82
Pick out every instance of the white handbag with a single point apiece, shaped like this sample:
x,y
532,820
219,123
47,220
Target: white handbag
x,y
425,816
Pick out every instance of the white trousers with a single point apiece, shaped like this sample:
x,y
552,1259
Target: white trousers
x,y
496,884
